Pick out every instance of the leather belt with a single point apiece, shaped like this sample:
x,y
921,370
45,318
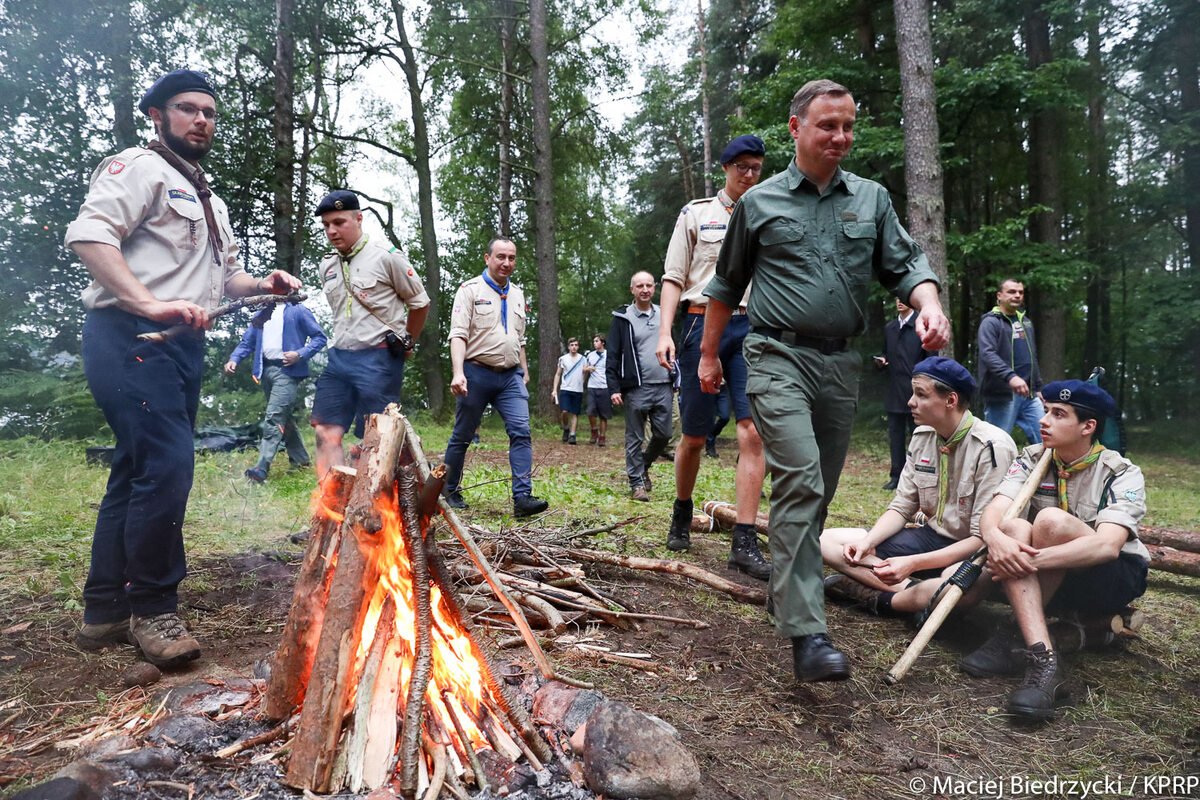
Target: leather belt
x,y
823,345
489,367
272,362
701,310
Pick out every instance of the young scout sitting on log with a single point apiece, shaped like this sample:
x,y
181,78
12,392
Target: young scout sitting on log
x,y
1075,549
954,466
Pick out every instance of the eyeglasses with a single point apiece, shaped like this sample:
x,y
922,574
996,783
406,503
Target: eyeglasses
x,y
748,169
191,110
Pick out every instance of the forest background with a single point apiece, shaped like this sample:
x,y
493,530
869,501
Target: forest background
x,y
1058,141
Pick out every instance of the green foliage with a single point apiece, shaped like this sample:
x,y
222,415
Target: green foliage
x,y
50,404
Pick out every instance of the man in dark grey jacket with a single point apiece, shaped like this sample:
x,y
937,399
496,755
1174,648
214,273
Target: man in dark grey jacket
x,y
1009,379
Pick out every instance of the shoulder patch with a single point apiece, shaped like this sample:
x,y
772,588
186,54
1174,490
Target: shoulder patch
x,y
392,249
177,194
115,166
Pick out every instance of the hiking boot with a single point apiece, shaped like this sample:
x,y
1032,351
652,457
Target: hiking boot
x,y
571,439
848,590
257,475
1043,684
97,636
891,485
566,434
999,656
679,537
163,639
710,449
814,658
595,436
455,499
601,443
527,505
646,478
640,494
744,555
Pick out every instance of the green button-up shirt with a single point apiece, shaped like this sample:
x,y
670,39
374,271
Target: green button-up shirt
x,y
811,255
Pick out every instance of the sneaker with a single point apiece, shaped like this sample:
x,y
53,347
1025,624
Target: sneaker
x,y
744,556
710,449
679,537
455,499
640,494
571,439
814,658
527,505
1042,686
566,434
257,475
847,590
999,656
97,636
164,640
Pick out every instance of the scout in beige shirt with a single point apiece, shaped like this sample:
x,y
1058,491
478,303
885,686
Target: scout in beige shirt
x,y
955,464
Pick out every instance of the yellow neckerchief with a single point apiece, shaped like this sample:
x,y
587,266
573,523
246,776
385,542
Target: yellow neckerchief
x,y
345,259
1067,470
944,450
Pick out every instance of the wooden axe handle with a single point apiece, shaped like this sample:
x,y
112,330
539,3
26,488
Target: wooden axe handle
x,y
954,593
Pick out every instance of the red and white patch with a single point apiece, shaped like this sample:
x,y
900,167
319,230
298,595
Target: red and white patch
x,y
1015,469
410,273
115,167
926,461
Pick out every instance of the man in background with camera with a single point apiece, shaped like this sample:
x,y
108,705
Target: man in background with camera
x,y
379,307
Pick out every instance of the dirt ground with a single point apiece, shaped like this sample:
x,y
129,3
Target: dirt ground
x,y
727,688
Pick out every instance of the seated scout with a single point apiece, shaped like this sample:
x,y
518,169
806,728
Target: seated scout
x,y
954,465
1076,548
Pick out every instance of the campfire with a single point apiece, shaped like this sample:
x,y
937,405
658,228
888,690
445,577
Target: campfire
x,y
377,658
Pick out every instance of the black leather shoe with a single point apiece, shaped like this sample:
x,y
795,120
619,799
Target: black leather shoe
x,y
527,505
814,658
679,537
1042,687
1000,656
710,450
892,484
744,556
455,500
257,475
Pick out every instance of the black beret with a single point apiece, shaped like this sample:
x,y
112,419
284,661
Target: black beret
x,y
743,144
1081,394
949,372
173,83
338,200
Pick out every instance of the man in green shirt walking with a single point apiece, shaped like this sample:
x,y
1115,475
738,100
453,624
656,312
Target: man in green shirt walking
x,y
811,238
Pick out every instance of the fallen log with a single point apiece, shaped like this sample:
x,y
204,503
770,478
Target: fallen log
x,y
746,594
1169,537
1178,562
723,516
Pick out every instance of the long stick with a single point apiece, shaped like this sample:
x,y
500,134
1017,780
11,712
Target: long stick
x,y
954,592
410,742
170,333
747,594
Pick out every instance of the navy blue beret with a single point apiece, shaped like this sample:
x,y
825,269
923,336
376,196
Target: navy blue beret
x,y
743,144
949,372
1081,394
337,200
173,83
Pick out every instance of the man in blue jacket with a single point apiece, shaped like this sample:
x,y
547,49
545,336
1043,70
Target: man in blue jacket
x,y
282,342
1009,379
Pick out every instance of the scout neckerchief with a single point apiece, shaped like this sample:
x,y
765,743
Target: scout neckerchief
x,y
345,259
196,178
503,297
721,197
1067,470
944,450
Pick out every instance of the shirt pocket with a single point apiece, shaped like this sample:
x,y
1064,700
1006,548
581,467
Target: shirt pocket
x,y
781,235
189,216
518,314
856,244
927,491
708,245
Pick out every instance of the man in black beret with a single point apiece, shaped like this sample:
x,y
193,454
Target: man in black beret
x,y
1075,548
161,251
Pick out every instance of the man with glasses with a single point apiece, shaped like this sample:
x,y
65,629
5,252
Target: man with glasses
x,y
161,252
690,265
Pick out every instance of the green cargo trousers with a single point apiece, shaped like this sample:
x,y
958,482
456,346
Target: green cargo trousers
x,y
803,405
278,425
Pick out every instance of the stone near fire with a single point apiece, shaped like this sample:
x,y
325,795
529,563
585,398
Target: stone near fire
x,y
90,774
58,789
147,759
563,706
202,697
182,730
630,754
143,673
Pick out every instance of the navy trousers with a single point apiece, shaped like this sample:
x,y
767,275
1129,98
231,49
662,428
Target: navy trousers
x,y
149,394
507,393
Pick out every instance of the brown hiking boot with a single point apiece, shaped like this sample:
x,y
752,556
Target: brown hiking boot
x,y
94,637
848,590
164,640
640,494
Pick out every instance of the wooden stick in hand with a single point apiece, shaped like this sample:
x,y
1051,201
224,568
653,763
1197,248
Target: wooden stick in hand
x,y
167,334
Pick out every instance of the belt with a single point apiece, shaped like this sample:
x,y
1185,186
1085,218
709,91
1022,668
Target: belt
x,y
272,362
701,310
489,367
821,344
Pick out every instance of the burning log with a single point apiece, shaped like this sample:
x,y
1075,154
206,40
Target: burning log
x,y
410,743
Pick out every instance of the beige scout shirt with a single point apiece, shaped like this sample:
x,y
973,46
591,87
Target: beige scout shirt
x,y
692,254
977,467
1111,490
475,318
379,276
139,203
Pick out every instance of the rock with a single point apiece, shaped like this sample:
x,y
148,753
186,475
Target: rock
x,y
202,697
89,773
58,789
148,759
182,730
262,669
143,673
563,706
630,754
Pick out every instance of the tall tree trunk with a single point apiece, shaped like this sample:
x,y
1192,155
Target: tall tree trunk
x,y
124,122
1187,68
543,195
431,338
685,168
508,24
1045,189
705,121
1097,344
922,159
287,256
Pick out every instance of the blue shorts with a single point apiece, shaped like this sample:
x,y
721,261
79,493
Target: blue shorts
x,y
570,402
356,383
1102,588
697,408
599,403
913,541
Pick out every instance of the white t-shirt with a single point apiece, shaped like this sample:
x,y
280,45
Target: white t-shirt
x,y
572,373
597,379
